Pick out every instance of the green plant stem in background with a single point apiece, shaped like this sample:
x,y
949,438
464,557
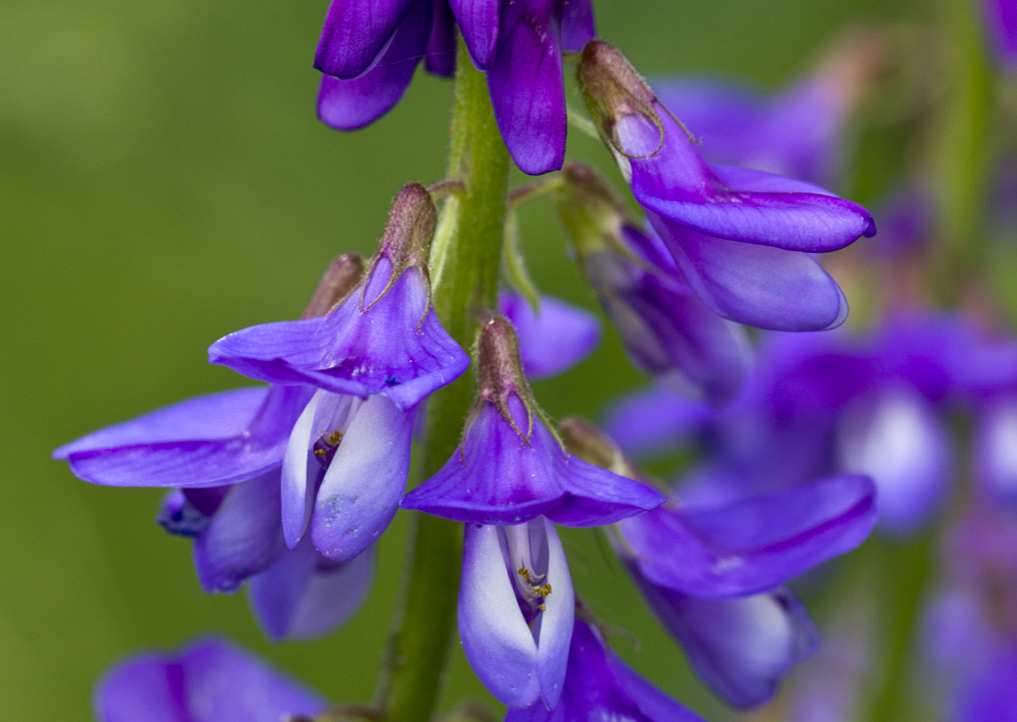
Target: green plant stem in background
x,y
464,286
961,149
903,571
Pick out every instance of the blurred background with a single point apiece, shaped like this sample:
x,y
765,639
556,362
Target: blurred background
x,y
163,182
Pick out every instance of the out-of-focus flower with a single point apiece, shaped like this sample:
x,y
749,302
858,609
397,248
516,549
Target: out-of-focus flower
x,y
667,331
515,611
510,468
369,51
208,681
718,588
600,686
553,338
1001,19
741,238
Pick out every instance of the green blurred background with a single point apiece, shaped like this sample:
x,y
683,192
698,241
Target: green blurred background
x,y
164,181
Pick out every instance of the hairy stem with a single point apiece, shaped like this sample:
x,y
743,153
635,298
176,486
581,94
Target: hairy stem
x,y
465,283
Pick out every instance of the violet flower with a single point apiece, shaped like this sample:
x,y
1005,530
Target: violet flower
x,y
515,611
719,588
510,469
369,51
740,238
1001,19
208,681
600,686
382,339
553,338
667,331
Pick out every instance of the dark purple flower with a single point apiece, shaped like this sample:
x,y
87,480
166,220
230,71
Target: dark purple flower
x,y
741,238
600,686
510,468
515,611
369,52
208,681
384,338
552,339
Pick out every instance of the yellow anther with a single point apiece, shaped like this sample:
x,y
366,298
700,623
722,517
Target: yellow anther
x,y
320,452
543,607
524,573
335,437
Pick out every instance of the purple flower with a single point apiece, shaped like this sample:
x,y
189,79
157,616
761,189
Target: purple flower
x,y
369,51
599,686
552,339
510,468
382,339
515,611
996,447
208,681
1001,18
740,238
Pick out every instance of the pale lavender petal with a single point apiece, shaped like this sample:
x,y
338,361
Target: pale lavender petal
x,y
243,537
215,416
478,20
996,449
440,56
555,621
741,647
527,90
552,340
390,348
210,681
225,684
296,477
736,204
899,439
498,478
496,639
752,284
302,596
356,33
577,25
354,103
752,545
364,481
253,448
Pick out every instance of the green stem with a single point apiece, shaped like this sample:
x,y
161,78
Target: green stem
x,y
465,284
960,152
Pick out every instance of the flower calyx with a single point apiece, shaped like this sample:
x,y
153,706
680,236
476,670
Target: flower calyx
x,y
501,374
338,282
407,241
591,211
618,97
594,446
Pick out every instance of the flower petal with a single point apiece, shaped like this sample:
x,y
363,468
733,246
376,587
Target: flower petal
x,y
740,647
364,481
656,421
354,103
145,687
243,537
301,597
736,203
555,621
498,478
552,340
390,348
527,90
356,34
440,56
577,25
478,20
996,449
755,544
495,637
256,445
755,285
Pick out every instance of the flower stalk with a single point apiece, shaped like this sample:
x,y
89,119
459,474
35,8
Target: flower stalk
x,y
465,283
